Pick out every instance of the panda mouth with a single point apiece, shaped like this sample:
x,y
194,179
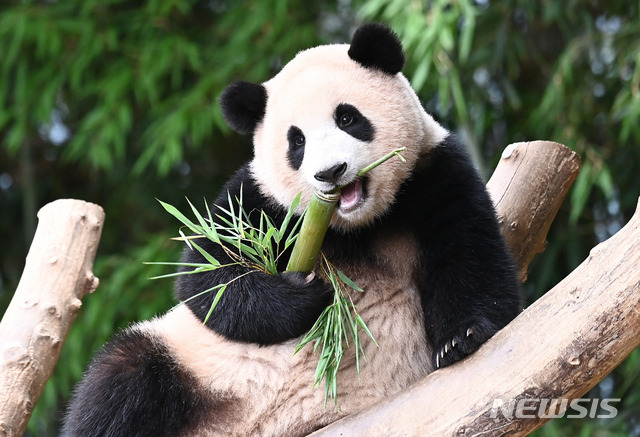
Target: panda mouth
x,y
352,195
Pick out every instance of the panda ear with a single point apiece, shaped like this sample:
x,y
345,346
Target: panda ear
x,y
243,105
374,45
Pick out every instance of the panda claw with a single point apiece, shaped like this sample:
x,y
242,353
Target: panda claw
x,y
469,332
453,343
310,277
446,348
437,361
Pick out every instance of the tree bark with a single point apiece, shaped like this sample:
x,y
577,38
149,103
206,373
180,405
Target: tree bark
x,y
558,348
527,188
57,274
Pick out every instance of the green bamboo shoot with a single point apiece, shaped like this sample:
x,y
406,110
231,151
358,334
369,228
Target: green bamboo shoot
x,y
312,232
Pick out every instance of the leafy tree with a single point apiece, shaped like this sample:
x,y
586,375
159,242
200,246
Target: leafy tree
x,y
114,102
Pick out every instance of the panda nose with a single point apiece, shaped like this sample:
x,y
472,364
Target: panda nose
x,y
331,174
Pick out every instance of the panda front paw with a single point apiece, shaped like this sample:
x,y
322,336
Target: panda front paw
x,y
311,286
462,343
299,279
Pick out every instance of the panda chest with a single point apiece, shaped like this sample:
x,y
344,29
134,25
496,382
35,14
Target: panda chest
x,y
390,305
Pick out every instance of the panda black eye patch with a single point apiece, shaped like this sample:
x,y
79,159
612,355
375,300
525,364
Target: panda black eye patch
x,y
297,141
350,120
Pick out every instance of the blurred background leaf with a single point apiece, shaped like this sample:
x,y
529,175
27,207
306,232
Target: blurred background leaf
x,y
114,102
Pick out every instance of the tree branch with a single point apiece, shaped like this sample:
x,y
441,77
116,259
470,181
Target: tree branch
x,y
57,274
560,347
527,188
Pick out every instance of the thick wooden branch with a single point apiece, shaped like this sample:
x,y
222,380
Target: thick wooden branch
x,y
527,188
57,274
559,348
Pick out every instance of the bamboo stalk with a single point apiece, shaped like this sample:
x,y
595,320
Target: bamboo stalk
x,y
312,232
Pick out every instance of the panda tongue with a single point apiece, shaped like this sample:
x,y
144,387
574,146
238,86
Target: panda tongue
x,y
351,194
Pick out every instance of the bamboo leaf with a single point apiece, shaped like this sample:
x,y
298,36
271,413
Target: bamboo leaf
x,y
366,329
238,244
221,290
262,224
181,217
185,239
232,214
206,268
580,191
199,217
213,233
293,235
287,218
179,264
466,35
210,259
344,278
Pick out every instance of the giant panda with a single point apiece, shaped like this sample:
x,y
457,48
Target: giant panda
x,y
420,237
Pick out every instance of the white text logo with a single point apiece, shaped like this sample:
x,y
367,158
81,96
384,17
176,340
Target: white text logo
x,y
552,408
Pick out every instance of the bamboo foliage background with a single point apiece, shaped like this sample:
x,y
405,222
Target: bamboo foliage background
x,y
114,102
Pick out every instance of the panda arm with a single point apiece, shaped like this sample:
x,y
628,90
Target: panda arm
x,y
467,275
255,307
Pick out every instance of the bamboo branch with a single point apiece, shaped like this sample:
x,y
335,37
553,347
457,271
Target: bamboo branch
x,y
57,274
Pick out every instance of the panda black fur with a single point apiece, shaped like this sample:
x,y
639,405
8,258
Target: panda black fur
x,y
420,237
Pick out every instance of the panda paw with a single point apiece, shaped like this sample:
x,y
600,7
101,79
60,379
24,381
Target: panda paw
x,y
457,346
299,279
309,287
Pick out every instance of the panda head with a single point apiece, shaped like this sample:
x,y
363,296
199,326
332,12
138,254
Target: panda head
x,y
328,113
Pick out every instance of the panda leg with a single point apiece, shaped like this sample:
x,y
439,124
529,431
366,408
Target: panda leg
x,y
135,387
467,276
466,307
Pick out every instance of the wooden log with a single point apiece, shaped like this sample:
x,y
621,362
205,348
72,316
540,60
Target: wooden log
x,y
558,348
57,274
527,188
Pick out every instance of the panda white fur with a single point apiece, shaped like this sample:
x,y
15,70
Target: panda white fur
x,y
421,238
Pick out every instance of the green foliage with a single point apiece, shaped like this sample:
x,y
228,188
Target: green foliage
x,y
257,249
435,44
135,78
